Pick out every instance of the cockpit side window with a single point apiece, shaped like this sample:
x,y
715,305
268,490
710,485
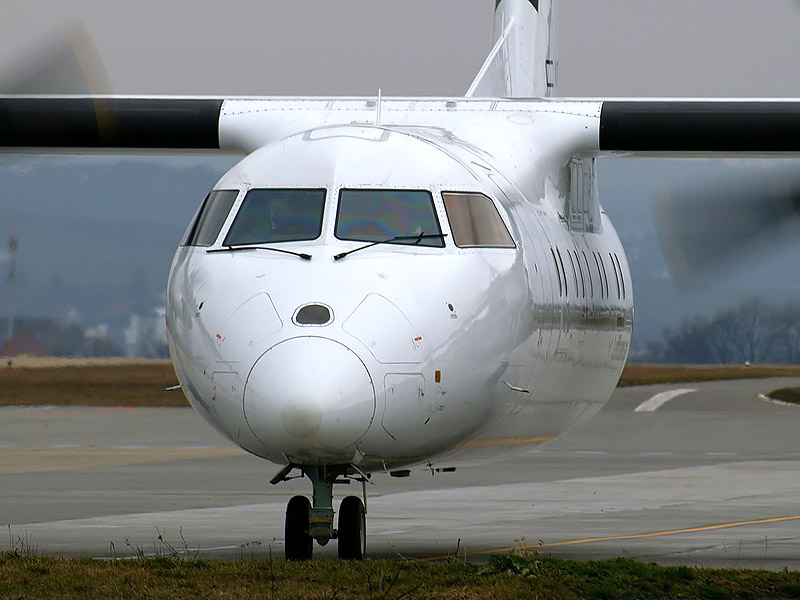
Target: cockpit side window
x,y
268,216
210,218
475,221
394,216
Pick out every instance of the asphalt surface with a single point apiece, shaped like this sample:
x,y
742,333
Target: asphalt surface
x,y
708,477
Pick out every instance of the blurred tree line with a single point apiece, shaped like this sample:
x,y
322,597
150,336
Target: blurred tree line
x,y
754,331
40,336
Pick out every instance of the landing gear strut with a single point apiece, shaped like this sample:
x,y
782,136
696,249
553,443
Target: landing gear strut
x,y
306,523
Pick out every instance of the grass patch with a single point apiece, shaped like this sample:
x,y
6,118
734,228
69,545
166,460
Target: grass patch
x,y
91,385
652,374
786,395
511,576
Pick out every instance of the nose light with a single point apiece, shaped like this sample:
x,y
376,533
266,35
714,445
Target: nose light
x,y
313,314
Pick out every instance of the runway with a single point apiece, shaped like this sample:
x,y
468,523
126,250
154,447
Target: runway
x,y
707,477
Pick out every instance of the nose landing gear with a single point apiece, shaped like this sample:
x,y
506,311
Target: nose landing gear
x,y
306,523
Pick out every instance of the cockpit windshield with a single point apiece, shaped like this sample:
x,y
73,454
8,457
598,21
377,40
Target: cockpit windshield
x,y
403,217
268,216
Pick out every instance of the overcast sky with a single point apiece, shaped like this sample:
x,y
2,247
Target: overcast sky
x,y
425,47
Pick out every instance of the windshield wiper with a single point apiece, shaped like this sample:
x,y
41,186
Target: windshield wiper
x,y
302,255
398,238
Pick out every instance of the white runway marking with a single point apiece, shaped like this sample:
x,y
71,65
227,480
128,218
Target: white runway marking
x,y
766,398
659,400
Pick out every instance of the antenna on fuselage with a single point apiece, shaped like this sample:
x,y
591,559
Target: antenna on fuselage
x,y
378,110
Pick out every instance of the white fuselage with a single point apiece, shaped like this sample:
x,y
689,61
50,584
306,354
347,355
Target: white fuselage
x,y
428,352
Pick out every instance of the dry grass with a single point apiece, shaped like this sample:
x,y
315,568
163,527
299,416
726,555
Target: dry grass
x,y
652,374
90,383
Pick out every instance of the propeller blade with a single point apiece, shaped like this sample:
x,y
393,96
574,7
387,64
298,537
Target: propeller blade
x,y
707,228
65,64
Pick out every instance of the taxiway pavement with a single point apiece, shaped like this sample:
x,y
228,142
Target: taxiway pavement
x,y
709,477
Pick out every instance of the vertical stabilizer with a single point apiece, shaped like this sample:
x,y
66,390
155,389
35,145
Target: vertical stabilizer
x,y
522,63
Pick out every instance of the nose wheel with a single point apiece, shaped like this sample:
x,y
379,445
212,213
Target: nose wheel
x,y
306,523
299,544
352,529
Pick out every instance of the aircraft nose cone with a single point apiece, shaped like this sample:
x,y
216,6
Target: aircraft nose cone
x,y
309,397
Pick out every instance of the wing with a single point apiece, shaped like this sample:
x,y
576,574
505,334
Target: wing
x,y
109,122
574,127
700,126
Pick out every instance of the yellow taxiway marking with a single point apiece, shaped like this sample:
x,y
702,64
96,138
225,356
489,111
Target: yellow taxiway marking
x,y
505,442
631,536
39,459
634,536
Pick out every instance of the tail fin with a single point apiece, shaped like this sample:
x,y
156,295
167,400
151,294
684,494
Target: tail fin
x,y
522,63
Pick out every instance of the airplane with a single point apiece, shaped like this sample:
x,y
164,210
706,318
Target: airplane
x,y
387,283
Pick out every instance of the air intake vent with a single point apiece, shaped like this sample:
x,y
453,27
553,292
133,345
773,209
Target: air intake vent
x,y
313,314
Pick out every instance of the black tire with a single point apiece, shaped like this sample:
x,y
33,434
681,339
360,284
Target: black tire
x,y
352,529
299,545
